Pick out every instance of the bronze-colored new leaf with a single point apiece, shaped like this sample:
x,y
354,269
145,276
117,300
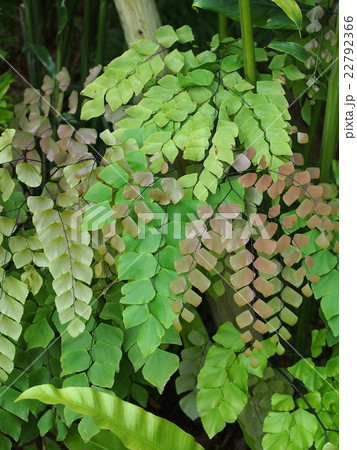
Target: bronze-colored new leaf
x,y
265,265
244,296
200,281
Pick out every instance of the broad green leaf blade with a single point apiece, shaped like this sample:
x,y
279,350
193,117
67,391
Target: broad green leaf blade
x,y
62,15
135,427
266,14
44,57
292,48
292,10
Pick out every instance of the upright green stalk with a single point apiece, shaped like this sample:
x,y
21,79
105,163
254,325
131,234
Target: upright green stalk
x,y
329,141
222,26
68,33
29,38
85,41
99,57
35,21
247,40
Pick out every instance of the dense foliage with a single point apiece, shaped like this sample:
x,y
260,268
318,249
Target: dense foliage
x,y
193,200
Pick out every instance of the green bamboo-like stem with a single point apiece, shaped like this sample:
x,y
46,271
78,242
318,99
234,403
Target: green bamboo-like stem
x,y
330,130
35,20
222,26
85,41
68,33
247,40
25,36
99,55
316,112
103,7
329,140
27,30
34,8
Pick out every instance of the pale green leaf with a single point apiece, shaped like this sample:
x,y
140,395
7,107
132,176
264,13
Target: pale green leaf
x,y
93,108
282,402
275,441
101,375
168,364
135,427
293,73
149,336
6,184
29,174
16,288
277,422
212,422
87,428
114,175
137,292
166,36
136,266
105,440
185,34
39,334
135,315
5,145
45,423
174,61
98,192
145,47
